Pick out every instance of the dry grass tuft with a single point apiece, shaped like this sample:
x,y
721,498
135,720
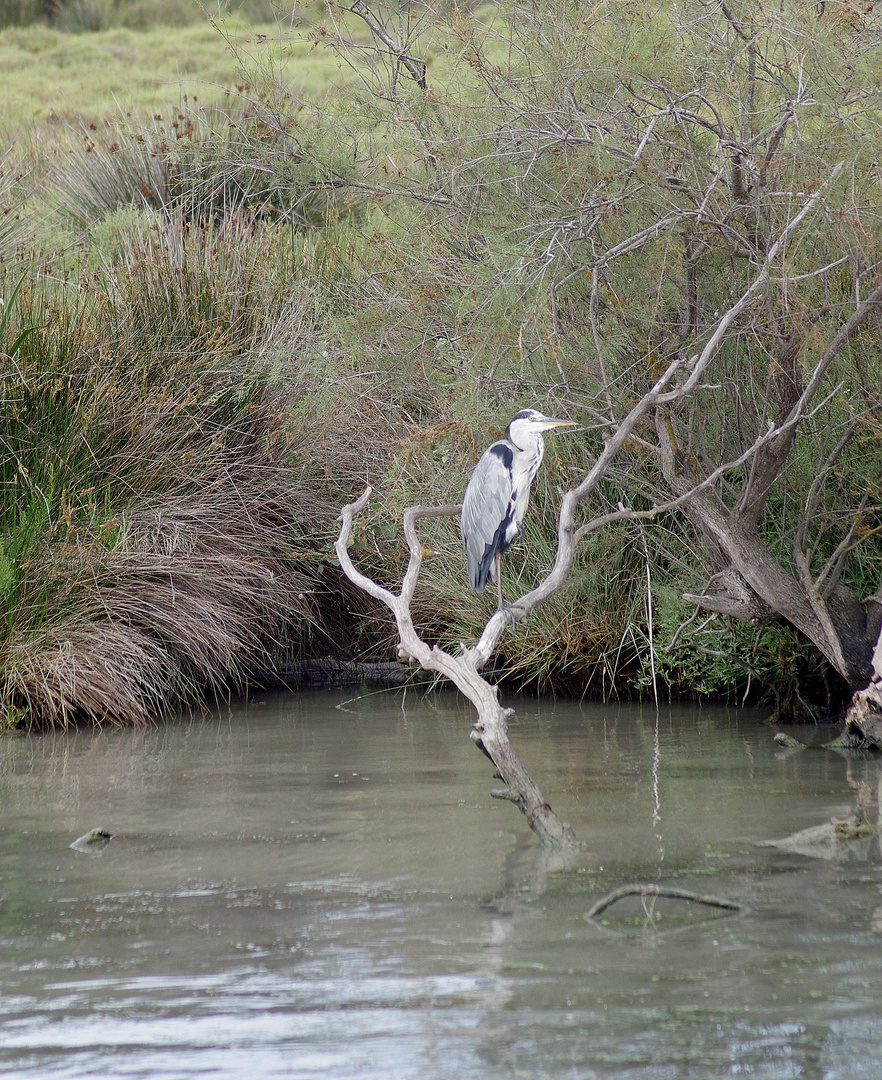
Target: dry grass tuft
x,y
197,595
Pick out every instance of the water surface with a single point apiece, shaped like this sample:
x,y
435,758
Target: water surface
x,y
313,886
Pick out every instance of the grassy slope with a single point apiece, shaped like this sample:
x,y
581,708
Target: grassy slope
x,y
54,77
63,658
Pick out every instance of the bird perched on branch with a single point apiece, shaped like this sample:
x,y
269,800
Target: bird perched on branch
x,y
496,499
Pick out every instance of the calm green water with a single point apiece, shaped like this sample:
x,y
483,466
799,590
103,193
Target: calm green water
x,y
296,889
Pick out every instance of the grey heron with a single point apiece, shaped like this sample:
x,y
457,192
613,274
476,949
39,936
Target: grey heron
x,y
496,499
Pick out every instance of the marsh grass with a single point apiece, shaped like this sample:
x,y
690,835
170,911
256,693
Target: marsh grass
x,y
247,306
154,546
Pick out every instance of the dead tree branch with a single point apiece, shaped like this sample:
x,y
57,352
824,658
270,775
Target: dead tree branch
x,y
490,733
678,380
415,67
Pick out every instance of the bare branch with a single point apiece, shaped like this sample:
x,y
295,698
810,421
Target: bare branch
x,y
490,733
347,514
735,23
415,68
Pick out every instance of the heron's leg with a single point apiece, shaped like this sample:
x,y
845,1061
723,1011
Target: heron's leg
x,y
503,607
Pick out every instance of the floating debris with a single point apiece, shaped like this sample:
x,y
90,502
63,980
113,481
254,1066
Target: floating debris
x,y
783,739
651,915
93,842
830,840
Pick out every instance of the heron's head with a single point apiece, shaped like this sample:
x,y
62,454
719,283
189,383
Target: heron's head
x,y
529,421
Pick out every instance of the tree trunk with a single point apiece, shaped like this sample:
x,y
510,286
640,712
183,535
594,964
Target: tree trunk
x,y
748,581
863,720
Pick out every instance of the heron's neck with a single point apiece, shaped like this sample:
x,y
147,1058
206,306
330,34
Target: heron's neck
x,y
531,443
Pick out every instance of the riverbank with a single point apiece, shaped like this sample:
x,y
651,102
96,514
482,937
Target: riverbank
x,y
224,316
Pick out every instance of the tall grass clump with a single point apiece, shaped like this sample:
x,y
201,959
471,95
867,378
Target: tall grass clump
x,y
153,542
262,153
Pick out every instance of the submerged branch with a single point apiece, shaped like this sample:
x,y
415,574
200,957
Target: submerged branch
x,y
667,891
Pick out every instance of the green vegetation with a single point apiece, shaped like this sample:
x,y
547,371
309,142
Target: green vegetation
x,y
142,56
226,310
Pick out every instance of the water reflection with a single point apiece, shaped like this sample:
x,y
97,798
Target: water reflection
x,y
297,890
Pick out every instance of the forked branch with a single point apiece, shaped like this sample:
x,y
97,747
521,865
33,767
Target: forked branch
x,y
490,733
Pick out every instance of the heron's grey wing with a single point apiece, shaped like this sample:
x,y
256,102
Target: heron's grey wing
x,y
485,511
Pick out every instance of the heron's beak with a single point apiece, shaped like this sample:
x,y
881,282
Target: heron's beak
x,y
561,423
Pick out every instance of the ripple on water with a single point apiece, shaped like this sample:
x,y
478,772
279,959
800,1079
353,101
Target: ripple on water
x,y
266,911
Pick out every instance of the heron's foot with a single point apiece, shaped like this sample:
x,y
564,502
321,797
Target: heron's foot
x,y
511,613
